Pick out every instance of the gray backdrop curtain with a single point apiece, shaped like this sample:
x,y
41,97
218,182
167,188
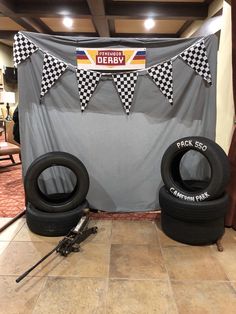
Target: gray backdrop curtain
x,y
121,153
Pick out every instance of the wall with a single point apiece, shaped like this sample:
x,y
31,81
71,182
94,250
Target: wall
x,y
6,56
6,59
225,104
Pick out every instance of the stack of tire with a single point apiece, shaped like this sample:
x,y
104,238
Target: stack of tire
x,y
55,214
192,211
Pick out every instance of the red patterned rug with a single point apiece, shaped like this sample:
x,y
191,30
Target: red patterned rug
x,y
12,198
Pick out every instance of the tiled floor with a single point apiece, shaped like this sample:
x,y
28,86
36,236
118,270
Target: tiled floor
x,y
128,267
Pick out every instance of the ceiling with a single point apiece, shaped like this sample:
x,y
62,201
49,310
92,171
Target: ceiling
x,y
105,18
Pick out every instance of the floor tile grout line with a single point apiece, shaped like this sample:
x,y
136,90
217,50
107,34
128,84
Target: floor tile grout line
x,y
24,223
11,238
202,280
87,277
233,286
108,271
218,262
41,290
122,279
36,242
51,276
138,279
168,276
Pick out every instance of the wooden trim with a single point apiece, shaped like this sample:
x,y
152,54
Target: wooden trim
x,y
151,215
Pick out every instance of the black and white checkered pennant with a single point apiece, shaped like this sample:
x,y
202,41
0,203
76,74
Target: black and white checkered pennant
x,y
87,83
196,58
125,85
22,48
162,76
52,70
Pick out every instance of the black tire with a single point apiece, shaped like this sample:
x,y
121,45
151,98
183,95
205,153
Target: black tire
x,y
206,232
194,185
53,224
216,157
65,202
193,211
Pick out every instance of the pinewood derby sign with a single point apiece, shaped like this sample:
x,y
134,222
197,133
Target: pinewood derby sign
x,y
111,58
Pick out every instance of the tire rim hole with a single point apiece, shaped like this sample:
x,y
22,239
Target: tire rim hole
x,y
57,184
191,166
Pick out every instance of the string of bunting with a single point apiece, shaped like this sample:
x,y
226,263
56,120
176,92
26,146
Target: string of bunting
x,y
161,74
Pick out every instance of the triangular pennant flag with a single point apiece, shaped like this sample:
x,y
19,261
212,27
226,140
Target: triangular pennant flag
x,y
87,83
22,48
196,58
52,70
125,85
162,76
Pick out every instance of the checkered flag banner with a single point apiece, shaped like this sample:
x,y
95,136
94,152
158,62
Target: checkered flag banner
x,y
22,48
162,76
196,58
87,83
125,85
52,70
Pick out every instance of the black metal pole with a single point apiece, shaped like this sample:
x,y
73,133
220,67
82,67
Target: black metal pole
x,y
35,265
12,220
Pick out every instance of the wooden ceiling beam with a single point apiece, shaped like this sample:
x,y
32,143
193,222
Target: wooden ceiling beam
x,y
77,34
184,27
9,35
160,10
208,1
97,9
145,35
111,9
112,27
8,10
39,25
45,8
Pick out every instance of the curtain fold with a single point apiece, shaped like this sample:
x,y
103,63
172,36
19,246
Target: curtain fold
x,y
231,215
121,153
